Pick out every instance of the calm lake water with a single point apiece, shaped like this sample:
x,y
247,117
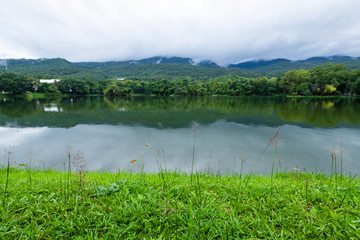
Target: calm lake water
x,y
108,134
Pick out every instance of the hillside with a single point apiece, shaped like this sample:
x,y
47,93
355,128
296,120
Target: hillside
x,y
148,69
157,68
280,66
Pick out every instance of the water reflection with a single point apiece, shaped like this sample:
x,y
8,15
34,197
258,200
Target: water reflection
x,y
177,112
111,133
52,107
219,146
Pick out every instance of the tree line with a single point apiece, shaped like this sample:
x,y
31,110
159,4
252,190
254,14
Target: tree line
x,y
328,79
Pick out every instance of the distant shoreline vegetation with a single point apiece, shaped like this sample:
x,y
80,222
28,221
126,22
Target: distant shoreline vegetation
x,y
325,80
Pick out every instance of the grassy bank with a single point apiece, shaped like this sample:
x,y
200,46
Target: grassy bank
x,y
47,204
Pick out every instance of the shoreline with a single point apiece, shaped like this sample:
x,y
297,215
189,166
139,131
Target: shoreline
x,y
47,96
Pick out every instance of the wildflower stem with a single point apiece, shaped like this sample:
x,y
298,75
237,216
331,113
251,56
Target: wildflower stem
x,y
8,154
192,163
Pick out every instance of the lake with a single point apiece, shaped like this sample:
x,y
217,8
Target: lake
x,y
233,132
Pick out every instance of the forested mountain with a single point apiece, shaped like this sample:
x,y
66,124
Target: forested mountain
x,y
278,67
157,68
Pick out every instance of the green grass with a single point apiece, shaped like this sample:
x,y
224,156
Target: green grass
x,y
123,205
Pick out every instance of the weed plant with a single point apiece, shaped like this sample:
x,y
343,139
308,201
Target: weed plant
x,y
8,154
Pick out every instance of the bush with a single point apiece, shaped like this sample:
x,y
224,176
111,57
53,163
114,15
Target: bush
x,y
113,90
29,96
329,89
308,93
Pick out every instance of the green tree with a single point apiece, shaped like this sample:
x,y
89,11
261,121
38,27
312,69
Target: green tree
x,y
114,90
329,89
356,87
292,81
328,74
15,83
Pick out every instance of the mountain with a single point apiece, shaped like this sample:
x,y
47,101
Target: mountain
x,y
258,63
165,60
207,64
159,67
281,65
154,68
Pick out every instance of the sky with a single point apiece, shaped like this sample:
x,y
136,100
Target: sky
x,y
224,31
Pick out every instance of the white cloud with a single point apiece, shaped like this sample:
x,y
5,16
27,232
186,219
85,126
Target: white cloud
x,y
223,31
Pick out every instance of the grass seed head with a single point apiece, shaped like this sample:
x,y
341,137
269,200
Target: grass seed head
x,y
275,138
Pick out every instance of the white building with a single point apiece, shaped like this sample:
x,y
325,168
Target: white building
x,y
50,81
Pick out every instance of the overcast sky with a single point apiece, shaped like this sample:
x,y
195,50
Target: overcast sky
x,y
225,31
